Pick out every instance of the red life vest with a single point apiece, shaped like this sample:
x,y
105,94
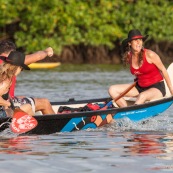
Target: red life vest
x,y
148,74
12,87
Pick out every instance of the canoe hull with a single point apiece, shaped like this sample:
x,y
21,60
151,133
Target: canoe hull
x,y
81,121
48,124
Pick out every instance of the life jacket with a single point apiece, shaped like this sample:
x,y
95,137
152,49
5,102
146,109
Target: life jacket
x,y
12,87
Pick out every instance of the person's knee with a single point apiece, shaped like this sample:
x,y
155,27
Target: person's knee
x,y
27,108
112,90
41,103
44,105
45,101
142,97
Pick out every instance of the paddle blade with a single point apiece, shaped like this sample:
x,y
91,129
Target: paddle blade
x,y
22,122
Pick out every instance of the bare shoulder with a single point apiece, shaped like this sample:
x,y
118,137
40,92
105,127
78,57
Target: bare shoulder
x,y
152,57
151,53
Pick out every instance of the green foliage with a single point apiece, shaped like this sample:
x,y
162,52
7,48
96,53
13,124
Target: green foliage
x,y
8,12
153,17
58,23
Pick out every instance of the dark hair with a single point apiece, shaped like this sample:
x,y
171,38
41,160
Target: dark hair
x,y
126,56
7,46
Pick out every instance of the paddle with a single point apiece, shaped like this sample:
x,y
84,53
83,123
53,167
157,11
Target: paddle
x,y
21,121
118,97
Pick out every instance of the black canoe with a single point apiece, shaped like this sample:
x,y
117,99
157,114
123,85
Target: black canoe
x,y
48,124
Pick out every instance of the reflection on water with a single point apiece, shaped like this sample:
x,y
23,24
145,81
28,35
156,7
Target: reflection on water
x,y
122,146
144,144
16,145
92,150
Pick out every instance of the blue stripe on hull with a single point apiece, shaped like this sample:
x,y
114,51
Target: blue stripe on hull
x,y
72,124
140,114
134,115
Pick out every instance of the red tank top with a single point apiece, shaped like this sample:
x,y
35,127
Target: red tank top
x,y
148,74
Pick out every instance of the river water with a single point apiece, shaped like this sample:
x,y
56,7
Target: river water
x,y
131,148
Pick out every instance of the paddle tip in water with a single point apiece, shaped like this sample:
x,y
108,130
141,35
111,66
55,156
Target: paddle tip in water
x,y
22,122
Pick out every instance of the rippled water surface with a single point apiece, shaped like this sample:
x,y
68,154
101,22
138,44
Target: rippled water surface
x,y
133,148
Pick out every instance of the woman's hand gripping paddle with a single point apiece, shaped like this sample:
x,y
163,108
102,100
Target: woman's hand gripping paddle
x,y
118,97
21,121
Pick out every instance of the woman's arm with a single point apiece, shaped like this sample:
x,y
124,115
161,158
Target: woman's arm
x,y
152,57
39,55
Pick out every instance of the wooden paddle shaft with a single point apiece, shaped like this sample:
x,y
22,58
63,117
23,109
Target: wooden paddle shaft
x,y
124,92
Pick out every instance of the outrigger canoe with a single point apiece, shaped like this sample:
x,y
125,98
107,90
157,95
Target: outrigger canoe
x,y
68,122
44,65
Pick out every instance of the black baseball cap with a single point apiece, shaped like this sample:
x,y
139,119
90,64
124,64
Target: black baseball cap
x,y
18,59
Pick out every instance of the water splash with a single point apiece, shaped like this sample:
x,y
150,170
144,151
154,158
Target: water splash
x,y
158,123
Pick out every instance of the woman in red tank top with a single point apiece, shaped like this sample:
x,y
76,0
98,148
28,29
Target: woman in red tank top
x,y
148,69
